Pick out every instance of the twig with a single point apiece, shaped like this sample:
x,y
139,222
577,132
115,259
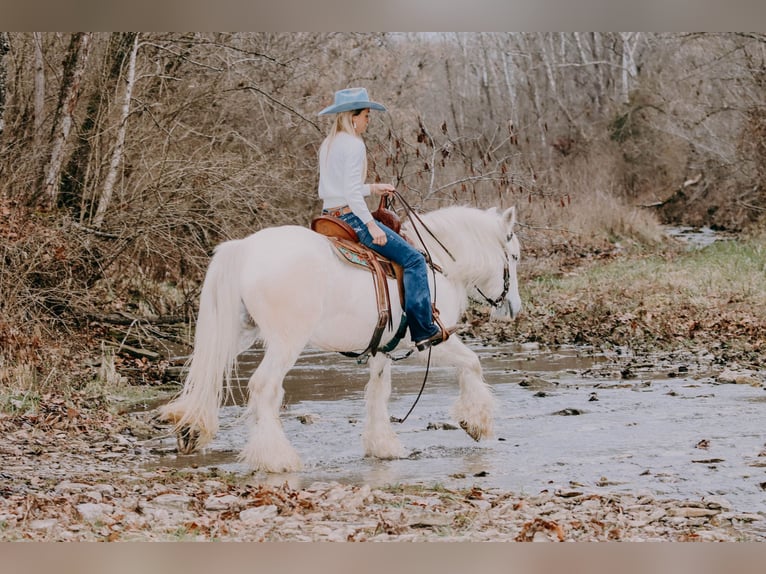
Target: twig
x,y
749,206
542,228
95,231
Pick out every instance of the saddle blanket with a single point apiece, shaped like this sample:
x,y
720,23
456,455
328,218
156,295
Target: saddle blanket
x,y
352,253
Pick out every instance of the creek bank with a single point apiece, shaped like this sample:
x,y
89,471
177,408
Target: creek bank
x,y
115,502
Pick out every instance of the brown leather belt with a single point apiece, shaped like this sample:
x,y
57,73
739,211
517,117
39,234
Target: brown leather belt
x,y
337,212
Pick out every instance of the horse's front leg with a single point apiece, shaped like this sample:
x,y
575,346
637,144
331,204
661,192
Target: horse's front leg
x,y
379,439
474,409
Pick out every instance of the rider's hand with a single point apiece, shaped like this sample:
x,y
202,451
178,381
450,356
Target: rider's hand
x,y
378,235
382,189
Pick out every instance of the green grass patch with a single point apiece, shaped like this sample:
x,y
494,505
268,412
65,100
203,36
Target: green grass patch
x,y
654,301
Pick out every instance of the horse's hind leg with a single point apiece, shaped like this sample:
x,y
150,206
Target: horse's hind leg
x,y
268,448
379,439
474,409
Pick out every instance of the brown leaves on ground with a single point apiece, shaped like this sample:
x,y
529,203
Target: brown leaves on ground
x,y
168,505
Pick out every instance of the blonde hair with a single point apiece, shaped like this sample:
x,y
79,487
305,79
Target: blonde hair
x,y
344,122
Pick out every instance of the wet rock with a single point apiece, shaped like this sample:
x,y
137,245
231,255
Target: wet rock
x,y
211,486
45,524
533,382
604,481
172,501
221,502
656,515
105,489
530,346
93,511
258,514
67,487
441,426
748,517
569,493
482,504
744,377
132,503
569,412
428,519
717,502
692,512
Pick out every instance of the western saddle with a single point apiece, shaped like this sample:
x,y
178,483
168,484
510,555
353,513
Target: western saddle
x,y
346,243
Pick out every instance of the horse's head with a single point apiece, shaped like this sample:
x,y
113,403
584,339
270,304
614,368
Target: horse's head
x,y
477,248
507,302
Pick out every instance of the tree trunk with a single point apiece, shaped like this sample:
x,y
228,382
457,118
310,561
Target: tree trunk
x,y
485,82
39,95
630,41
81,174
510,86
106,193
74,69
4,48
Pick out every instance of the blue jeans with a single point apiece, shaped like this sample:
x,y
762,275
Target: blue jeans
x,y
417,299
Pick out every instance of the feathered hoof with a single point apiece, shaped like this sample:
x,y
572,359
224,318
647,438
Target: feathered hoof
x,y
393,452
474,431
284,462
188,440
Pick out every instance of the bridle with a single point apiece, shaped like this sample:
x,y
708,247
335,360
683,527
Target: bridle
x,y
498,301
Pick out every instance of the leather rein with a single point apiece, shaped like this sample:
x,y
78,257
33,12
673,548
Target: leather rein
x,y
497,301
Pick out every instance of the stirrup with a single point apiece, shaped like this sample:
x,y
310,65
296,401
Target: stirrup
x,y
439,337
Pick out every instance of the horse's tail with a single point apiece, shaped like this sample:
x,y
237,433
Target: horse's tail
x,y
217,342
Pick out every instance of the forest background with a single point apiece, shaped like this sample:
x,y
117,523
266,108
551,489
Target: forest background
x,y
126,157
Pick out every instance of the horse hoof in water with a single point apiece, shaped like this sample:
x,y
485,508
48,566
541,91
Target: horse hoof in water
x,y
473,431
187,440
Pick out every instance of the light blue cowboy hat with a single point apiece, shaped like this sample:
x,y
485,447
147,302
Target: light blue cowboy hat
x,y
351,99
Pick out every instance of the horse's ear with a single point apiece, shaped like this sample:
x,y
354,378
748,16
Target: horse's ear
x,y
509,217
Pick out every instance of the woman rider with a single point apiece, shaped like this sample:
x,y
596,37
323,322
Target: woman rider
x,y
342,187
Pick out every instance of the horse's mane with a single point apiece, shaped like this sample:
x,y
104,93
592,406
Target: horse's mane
x,y
473,236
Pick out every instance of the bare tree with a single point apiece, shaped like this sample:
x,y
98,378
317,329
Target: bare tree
x,y
73,71
106,192
4,47
629,69
39,96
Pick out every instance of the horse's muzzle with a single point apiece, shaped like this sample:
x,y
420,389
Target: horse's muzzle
x,y
506,311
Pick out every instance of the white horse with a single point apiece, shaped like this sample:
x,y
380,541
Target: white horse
x,y
287,287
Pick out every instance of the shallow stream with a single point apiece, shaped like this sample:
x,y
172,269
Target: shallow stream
x,y
567,421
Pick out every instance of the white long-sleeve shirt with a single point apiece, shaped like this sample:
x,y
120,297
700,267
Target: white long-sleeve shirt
x,y
342,167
